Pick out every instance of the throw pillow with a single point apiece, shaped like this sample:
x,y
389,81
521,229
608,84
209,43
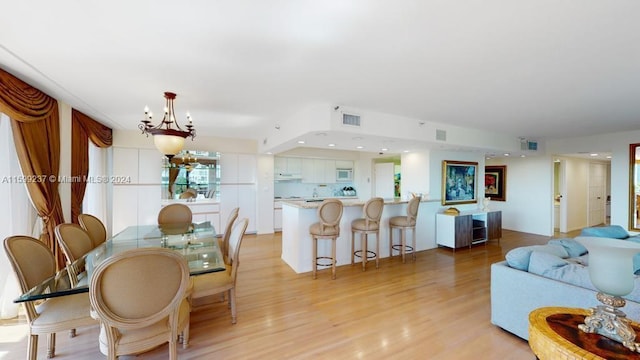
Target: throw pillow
x,y
518,258
574,248
611,231
552,267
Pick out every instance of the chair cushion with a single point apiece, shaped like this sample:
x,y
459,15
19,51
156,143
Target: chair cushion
x,y
318,230
401,221
63,313
360,224
211,284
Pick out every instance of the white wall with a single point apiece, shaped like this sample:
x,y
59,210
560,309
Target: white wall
x,y
529,196
415,175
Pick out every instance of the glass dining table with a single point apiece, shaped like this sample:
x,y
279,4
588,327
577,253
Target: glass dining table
x,y
196,242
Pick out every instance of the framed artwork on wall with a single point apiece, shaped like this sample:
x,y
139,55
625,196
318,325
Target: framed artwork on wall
x,y
495,182
459,182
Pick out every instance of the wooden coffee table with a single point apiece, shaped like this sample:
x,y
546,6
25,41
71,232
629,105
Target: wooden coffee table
x,y
554,334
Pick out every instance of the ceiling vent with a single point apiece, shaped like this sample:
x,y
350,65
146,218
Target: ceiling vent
x,y
528,145
441,135
350,119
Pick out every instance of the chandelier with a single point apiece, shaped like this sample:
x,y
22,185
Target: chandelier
x,y
168,136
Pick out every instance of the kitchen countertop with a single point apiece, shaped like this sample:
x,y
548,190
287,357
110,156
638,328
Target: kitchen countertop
x,y
351,201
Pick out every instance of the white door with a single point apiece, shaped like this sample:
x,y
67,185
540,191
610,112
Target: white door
x,y
597,173
384,186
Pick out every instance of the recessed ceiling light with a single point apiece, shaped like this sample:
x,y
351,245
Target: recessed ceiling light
x,y
300,141
384,149
523,155
331,145
507,154
359,147
406,151
593,154
608,156
269,153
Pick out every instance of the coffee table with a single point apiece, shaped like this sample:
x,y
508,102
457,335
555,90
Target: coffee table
x,y
554,334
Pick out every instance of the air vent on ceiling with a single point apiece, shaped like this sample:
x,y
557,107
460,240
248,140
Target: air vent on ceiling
x,y
350,119
441,135
526,145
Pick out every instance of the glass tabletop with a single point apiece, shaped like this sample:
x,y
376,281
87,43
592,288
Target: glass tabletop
x,y
196,242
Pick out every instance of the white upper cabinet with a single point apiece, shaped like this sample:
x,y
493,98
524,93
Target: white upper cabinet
x,y
237,169
344,164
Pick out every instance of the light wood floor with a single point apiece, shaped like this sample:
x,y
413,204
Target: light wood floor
x,y
435,308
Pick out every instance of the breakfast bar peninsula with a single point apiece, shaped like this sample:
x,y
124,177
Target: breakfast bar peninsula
x,y
298,215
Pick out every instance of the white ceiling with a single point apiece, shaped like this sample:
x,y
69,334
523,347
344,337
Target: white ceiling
x,y
536,68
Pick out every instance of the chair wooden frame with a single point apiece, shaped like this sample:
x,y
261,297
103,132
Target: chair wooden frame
x,y
223,282
33,262
366,226
140,299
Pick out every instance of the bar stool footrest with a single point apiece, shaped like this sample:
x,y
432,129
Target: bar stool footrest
x,y
370,254
318,263
398,247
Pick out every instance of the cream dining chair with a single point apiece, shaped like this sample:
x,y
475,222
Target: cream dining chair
x,y
139,297
75,243
175,214
33,262
227,232
94,227
224,281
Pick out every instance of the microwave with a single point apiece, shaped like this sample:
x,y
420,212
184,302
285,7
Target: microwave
x,y
344,174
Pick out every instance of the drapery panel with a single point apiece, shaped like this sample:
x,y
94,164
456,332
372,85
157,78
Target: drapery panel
x,y
83,129
35,124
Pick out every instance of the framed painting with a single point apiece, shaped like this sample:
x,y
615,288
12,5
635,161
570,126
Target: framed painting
x,y
495,182
459,182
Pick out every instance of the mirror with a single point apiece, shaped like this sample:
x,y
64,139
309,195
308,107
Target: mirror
x,y
191,175
634,187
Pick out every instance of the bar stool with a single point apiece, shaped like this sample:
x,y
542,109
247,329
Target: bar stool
x,y
330,213
370,224
403,223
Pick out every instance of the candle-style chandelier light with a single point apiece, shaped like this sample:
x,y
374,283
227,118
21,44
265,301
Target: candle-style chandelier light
x,y
168,136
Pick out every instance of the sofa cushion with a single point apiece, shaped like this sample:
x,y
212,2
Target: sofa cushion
x,y
574,248
518,258
553,267
611,231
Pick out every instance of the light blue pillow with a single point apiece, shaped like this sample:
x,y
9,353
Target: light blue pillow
x,y
518,258
574,248
611,231
553,267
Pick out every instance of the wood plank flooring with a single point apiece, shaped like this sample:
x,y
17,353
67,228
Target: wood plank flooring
x,y
435,308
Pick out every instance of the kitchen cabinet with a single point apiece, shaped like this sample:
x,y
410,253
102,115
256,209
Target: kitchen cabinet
x,y
344,164
241,196
237,168
468,228
286,165
318,171
277,216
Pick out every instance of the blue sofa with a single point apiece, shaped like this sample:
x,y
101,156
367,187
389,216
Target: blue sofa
x,y
555,274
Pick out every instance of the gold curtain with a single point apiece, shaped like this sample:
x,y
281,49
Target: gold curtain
x,y
83,129
35,124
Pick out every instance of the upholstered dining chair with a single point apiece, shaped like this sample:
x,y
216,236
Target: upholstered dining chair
x,y
224,281
139,297
94,227
329,214
369,224
175,214
33,262
227,232
75,243
404,223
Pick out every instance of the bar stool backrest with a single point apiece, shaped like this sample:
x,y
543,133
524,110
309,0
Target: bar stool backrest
x,y
330,214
